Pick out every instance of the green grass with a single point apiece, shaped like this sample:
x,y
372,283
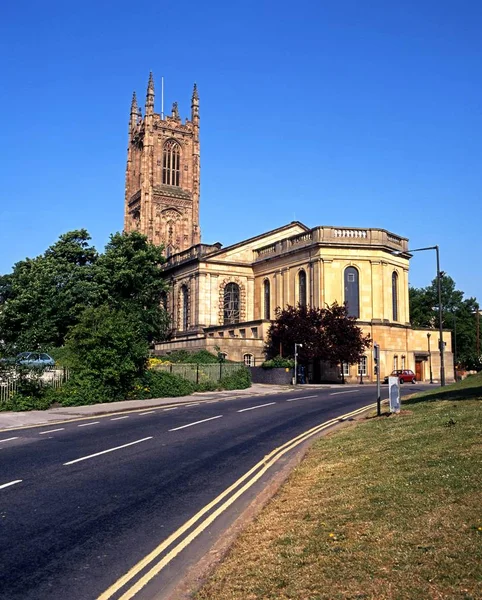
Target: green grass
x,y
387,508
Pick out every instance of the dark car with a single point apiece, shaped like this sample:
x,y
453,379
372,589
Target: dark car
x,y
404,376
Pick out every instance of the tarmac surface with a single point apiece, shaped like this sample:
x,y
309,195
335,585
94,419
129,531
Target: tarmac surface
x,y
13,420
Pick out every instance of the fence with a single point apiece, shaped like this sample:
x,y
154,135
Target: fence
x,y
200,373
10,381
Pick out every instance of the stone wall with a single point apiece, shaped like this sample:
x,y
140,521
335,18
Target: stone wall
x,y
277,376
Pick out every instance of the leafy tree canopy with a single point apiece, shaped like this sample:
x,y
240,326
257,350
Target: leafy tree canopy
x,y
458,314
327,334
44,297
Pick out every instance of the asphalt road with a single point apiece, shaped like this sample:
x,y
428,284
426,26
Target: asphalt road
x,y
81,503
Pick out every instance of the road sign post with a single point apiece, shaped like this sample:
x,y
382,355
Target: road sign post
x,y
376,361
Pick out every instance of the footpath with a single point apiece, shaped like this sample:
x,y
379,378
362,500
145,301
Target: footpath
x,y
13,420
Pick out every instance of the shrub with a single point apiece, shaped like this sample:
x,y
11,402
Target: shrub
x,y
81,390
108,352
207,386
239,380
20,402
202,357
159,384
62,356
278,362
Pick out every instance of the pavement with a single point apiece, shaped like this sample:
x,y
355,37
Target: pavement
x,y
14,420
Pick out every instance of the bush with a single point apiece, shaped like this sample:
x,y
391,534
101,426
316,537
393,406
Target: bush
x,y
279,362
20,402
239,380
207,386
62,356
159,384
81,390
202,357
107,352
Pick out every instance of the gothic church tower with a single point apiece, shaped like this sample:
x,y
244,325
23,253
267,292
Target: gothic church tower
x,y
163,175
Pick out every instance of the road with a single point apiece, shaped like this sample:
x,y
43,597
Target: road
x,y
81,503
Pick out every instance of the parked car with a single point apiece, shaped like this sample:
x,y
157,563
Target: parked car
x,y
31,360
404,376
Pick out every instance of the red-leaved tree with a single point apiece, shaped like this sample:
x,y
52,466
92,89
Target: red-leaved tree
x,y
328,334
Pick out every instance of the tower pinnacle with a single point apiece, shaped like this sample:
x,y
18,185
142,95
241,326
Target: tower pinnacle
x,y
150,95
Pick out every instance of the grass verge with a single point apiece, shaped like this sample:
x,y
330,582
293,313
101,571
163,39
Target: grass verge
x,y
385,509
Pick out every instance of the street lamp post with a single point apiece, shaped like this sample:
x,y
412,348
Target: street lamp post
x,y
455,345
429,357
296,361
440,317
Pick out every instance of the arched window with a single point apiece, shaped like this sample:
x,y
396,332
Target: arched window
x,y
267,299
184,308
302,288
248,360
231,303
171,163
352,292
395,295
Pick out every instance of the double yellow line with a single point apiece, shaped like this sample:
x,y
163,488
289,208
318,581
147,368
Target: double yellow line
x,y
248,480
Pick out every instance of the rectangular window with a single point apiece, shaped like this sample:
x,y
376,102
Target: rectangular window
x,y
346,369
395,363
403,362
254,332
362,366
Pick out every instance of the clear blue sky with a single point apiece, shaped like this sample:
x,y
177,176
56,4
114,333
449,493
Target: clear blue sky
x,y
351,113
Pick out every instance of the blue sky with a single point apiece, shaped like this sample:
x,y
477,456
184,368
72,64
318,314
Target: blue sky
x,y
350,113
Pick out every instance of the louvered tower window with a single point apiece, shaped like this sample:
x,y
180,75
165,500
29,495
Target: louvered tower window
x,y
171,163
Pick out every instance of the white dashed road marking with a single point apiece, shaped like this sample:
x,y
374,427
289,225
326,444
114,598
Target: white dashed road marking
x,y
119,418
5,485
51,431
347,392
196,423
9,439
71,462
87,424
301,398
253,407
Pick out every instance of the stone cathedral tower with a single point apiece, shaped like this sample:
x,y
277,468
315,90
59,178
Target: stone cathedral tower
x,y
163,175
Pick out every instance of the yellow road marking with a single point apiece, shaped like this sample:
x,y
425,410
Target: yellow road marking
x,y
263,465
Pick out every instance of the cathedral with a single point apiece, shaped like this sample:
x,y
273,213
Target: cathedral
x,y
224,298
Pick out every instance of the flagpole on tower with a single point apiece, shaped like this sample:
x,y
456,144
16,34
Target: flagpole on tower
x,y
162,98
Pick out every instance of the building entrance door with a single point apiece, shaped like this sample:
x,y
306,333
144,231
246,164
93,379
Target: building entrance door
x,y
419,370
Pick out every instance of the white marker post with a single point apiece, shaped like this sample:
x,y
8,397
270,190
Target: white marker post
x,y
394,394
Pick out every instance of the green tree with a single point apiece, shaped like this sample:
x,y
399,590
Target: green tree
x,y
327,334
458,314
44,297
109,354
129,273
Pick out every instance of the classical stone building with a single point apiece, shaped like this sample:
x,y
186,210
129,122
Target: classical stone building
x,y
225,298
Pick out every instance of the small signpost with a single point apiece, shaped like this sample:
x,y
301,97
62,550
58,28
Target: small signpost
x,y
376,361
394,394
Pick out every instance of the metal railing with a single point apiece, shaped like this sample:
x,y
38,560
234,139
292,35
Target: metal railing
x,y
200,373
11,380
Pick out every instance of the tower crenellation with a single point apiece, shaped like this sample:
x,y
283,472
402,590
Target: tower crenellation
x,y
163,174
